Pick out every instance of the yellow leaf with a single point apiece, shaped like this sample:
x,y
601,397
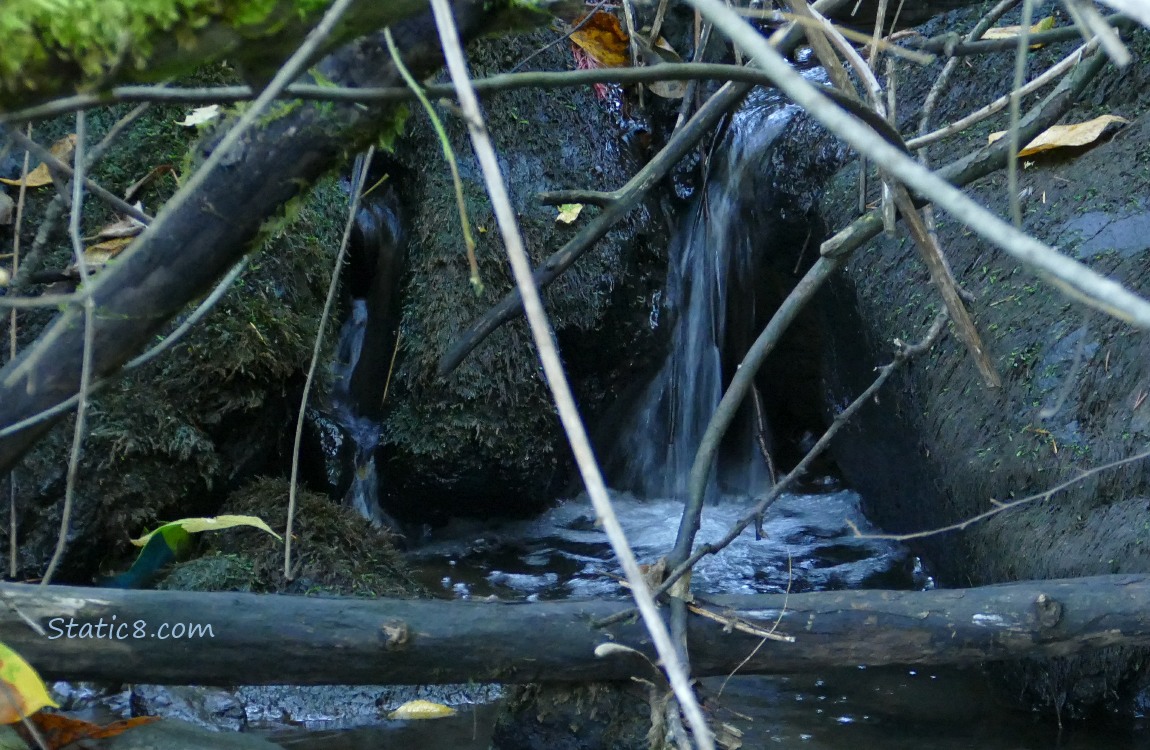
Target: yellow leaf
x,y
1064,136
603,38
40,176
421,709
569,212
23,692
196,525
1008,32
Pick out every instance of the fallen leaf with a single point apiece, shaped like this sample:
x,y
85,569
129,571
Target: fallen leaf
x,y
1008,32
569,212
602,37
421,709
667,89
1065,136
24,692
200,115
59,731
101,253
127,226
40,176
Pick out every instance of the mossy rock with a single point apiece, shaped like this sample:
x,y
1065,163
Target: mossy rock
x,y
170,439
486,438
336,552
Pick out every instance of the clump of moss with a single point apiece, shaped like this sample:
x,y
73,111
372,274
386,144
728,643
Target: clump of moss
x,y
337,551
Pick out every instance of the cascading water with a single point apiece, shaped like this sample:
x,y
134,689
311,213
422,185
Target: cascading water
x,y
363,431
368,343
710,280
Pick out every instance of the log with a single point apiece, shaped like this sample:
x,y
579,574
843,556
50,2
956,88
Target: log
x,y
121,635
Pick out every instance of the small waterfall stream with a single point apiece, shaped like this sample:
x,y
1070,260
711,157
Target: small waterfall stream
x,y
710,281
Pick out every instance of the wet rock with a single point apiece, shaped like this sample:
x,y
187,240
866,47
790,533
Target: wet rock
x,y
174,734
210,708
937,446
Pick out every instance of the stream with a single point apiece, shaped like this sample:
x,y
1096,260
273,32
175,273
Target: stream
x,y
711,302
808,546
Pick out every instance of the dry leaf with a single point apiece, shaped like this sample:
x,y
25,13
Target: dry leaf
x,y
1009,32
40,176
602,37
1065,136
125,227
102,252
200,115
667,89
60,731
569,212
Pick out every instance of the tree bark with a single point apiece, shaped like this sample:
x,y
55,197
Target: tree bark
x,y
185,250
267,639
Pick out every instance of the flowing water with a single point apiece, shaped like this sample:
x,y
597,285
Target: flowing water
x,y
712,258
808,542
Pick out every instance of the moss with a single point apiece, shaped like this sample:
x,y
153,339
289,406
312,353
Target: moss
x,y
169,438
337,551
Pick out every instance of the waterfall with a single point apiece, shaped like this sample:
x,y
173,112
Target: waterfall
x,y
710,299
368,343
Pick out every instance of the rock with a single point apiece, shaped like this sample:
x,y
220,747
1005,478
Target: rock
x,y
937,446
211,708
174,734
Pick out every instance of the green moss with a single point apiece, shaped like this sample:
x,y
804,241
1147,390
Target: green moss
x,y
337,551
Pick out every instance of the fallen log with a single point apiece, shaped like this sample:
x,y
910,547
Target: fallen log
x,y
227,638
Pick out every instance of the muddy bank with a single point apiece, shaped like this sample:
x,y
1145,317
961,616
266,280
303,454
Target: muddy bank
x,y
938,447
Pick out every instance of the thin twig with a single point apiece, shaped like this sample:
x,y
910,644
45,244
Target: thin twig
x,y
1002,507
1012,196
358,182
557,380
448,155
89,305
13,346
169,341
56,165
996,106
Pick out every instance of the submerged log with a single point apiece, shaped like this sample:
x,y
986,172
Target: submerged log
x,y
226,639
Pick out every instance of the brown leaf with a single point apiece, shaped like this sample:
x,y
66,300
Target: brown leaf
x,y
602,37
40,176
59,731
1066,136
